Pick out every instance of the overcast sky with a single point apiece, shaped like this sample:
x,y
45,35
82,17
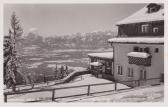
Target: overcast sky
x,y
61,19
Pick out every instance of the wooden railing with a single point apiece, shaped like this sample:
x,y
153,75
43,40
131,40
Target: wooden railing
x,y
53,97
54,89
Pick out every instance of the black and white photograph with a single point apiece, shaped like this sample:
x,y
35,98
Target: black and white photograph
x,y
83,52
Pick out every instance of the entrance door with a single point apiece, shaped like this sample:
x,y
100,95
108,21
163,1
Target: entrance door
x,y
142,74
142,77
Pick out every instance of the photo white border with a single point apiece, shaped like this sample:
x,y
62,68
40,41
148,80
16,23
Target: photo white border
x,y
154,104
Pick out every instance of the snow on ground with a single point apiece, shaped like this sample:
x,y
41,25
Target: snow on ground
x,y
139,94
85,80
76,68
79,50
35,59
33,47
35,65
82,60
69,67
59,61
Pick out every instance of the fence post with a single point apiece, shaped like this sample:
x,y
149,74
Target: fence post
x,y
53,95
88,90
115,85
5,98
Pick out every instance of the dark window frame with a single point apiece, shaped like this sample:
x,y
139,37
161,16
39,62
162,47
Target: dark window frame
x,y
119,70
136,49
156,50
147,50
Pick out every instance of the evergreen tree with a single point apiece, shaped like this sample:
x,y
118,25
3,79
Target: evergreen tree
x,y
11,59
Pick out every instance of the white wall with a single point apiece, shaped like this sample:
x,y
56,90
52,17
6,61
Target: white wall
x,y
120,58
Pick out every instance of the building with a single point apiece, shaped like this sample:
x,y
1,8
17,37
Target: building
x,y
138,51
101,65
148,21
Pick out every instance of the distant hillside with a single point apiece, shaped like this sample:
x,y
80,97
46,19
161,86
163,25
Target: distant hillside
x,y
92,40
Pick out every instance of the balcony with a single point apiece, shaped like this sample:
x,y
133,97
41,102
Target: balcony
x,y
139,58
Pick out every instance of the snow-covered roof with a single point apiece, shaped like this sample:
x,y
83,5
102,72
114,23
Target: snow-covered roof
x,y
96,63
139,54
143,16
145,40
107,55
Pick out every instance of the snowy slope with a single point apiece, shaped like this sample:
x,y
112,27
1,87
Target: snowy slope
x,y
82,80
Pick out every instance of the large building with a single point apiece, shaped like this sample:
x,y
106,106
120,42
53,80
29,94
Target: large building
x,y
138,51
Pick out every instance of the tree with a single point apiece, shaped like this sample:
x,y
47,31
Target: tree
x,y
11,59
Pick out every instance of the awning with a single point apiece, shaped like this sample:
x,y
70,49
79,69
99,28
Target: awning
x,y
139,54
96,63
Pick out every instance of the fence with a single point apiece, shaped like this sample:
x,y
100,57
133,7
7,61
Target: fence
x,y
88,91
47,81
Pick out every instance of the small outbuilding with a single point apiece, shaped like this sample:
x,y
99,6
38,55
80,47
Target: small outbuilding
x,y
101,64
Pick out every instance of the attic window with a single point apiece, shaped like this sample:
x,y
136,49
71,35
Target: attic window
x,y
153,7
145,28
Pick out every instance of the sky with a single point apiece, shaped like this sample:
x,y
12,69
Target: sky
x,y
67,19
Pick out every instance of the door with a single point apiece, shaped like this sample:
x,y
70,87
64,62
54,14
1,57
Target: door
x,y
142,77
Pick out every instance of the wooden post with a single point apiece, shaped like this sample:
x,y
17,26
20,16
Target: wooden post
x,y
53,95
88,90
115,85
5,98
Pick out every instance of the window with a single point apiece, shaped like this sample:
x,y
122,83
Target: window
x,y
156,50
130,72
155,30
146,50
140,49
119,69
145,28
136,49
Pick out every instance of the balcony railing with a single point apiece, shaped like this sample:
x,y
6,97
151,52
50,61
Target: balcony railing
x,y
139,58
139,61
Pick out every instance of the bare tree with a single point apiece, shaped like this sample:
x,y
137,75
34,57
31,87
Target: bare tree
x,y
11,59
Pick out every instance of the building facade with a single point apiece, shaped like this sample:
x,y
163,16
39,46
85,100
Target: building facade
x,y
138,51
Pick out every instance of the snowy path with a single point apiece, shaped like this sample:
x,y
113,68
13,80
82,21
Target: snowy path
x,y
139,94
84,80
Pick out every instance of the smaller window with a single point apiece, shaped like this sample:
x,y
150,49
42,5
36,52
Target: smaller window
x,y
136,49
146,50
155,30
120,72
130,72
156,50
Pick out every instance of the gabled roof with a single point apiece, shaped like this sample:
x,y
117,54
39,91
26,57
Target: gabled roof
x,y
138,40
143,16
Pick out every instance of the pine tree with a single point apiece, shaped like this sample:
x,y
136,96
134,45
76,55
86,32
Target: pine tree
x,y
11,59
